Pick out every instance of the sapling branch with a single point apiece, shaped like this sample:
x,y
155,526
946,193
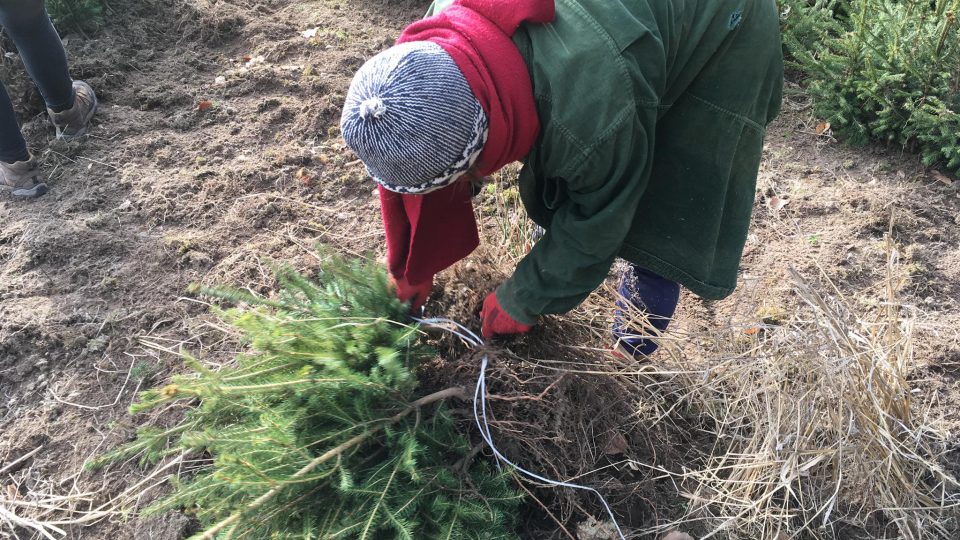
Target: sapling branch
x,y
456,392
322,404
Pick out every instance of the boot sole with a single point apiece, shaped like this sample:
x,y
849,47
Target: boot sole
x,y
24,193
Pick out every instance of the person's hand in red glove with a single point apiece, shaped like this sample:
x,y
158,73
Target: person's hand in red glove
x,y
496,321
416,294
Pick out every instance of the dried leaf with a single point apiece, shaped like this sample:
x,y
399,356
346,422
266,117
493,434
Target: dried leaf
x,y
772,314
677,535
591,529
253,60
822,128
751,331
942,178
617,444
204,105
776,203
304,176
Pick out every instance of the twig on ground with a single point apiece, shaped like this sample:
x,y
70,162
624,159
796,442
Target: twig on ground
x,y
20,459
520,482
99,407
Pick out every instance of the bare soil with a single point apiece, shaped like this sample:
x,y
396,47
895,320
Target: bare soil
x,y
216,156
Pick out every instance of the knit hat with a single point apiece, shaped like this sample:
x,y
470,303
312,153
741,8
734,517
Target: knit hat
x,y
413,120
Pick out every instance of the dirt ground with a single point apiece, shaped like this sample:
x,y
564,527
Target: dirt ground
x,y
215,155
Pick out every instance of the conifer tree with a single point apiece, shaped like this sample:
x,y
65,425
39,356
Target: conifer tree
x,y
887,70
318,431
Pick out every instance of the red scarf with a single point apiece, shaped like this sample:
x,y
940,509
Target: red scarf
x,y
427,233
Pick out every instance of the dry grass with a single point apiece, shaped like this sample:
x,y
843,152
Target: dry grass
x,y
43,513
817,425
500,210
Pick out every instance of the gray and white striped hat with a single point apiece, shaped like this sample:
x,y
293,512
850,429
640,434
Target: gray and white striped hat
x,y
412,119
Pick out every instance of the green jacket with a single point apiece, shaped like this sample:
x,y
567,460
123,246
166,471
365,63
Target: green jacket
x,y
652,115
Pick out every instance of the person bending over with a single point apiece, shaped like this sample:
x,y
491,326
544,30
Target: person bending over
x,y
640,125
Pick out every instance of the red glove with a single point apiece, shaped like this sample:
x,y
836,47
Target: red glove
x,y
496,321
415,294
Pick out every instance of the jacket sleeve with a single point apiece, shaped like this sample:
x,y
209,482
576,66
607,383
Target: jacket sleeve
x,y
598,200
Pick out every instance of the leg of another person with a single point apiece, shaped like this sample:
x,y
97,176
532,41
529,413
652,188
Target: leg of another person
x,y
18,171
40,48
70,104
12,146
643,293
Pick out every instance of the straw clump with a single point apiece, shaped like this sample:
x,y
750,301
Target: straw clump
x,y
818,428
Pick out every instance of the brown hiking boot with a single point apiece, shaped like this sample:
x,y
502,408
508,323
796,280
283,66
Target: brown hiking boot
x,y
74,121
22,178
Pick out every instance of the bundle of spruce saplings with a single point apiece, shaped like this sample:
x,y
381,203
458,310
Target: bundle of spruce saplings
x,y
318,430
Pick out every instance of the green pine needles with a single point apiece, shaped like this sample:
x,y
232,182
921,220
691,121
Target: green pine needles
x,y
318,431
76,14
882,69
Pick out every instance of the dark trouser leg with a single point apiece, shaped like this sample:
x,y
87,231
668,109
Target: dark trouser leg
x,y
642,291
12,146
40,48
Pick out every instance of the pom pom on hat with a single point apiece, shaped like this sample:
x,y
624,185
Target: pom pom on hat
x,y
412,119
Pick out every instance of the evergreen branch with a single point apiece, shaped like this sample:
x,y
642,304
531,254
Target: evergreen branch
x,y
245,389
210,533
174,391
882,70
321,406
401,527
454,392
448,535
238,297
418,494
376,507
309,495
143,444
262,372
